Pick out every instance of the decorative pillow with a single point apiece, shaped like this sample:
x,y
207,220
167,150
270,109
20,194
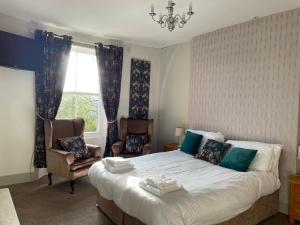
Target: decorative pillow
x,y
135,144
217,136
267,155
191,143
238,159
76,145
212,151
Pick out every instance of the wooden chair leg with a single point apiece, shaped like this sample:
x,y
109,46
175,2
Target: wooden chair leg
x,y
72,182
50,179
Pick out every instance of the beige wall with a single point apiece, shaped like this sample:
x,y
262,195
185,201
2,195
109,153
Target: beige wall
x,y
17,109
174,94
245,83
24,28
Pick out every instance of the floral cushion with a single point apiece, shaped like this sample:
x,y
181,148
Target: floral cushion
x,y
76,145
135,144
212,151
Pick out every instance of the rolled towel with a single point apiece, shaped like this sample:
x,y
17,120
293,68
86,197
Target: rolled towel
x,y
156,191
161,182
117,161
119,169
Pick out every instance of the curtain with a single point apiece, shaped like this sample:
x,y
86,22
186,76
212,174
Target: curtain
x,y
110,62
139,89
49,84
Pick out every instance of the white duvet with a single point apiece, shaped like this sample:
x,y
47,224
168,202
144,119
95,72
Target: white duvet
x,y
212,194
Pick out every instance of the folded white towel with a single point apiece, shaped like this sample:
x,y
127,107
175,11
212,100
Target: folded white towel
x,y
161,182
119,166
156,191
117,161
120,169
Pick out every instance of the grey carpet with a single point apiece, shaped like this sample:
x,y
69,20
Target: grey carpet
x,y
39,204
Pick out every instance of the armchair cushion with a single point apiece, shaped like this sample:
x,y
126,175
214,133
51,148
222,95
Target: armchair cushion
x,y
75,145
135,144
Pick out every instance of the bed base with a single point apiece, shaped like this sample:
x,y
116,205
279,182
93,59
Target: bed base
x,y
262,209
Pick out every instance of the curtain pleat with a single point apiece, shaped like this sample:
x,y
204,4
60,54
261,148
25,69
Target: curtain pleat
x,y
110,63
49,85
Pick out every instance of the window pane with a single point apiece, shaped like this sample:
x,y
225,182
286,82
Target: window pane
x,y
87,73
87,108
78,105
70,82
67,107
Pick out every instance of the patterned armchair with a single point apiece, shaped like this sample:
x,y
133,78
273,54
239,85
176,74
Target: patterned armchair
x,y
63,163
135,138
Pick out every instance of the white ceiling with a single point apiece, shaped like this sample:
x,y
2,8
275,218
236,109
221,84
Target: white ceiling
x,y
128,20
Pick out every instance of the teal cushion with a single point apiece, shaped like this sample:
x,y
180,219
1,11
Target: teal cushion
x,y
238,159
191,143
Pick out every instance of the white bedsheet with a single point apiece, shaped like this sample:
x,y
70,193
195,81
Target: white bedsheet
x,y
211,194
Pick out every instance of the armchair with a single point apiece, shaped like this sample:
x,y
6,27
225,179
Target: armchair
x,y
134,127
63,163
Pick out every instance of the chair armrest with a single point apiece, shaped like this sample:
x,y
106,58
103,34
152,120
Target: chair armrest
x,y
117,147
60,155
147,149
59,162
94,150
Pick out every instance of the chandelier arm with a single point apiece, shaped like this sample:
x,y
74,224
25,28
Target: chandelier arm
x,y
157,21
190,16
179,21
179,24
163,23
179,17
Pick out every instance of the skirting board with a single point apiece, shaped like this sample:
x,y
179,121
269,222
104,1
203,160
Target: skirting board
x,y
23,177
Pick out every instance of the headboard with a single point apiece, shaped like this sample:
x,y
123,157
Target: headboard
x,y
245,83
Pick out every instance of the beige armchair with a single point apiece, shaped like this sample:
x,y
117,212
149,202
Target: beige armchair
x,y
133,127
60,162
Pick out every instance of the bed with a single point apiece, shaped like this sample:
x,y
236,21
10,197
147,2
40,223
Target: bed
x,y
211,195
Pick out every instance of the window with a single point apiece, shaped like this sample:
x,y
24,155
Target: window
x,y
81,97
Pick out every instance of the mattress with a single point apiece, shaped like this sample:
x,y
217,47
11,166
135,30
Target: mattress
x,y
211,194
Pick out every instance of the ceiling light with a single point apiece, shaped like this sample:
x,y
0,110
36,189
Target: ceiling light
x,y
170,20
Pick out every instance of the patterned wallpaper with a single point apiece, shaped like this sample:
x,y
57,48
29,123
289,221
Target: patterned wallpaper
x,y
245,83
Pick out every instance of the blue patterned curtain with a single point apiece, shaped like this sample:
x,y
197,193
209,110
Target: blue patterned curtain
x,y
139,89
49,84
110,62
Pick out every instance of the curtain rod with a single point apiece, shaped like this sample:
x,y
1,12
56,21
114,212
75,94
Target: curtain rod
x,y
75,41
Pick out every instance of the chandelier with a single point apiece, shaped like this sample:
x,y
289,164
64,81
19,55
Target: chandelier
x,y
170,20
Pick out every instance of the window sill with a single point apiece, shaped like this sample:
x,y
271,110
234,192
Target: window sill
x,y
91,134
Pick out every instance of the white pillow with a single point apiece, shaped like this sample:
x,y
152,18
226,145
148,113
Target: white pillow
x,y
266,158
208,135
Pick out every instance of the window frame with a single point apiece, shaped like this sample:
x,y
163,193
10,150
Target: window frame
x,y
90,51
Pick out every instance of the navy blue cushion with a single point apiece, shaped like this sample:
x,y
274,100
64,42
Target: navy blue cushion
x,y
191,143
135,144
76,145
212,151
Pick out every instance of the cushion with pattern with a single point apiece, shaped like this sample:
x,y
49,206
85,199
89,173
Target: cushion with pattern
x,y
212,151
75,145
135,144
